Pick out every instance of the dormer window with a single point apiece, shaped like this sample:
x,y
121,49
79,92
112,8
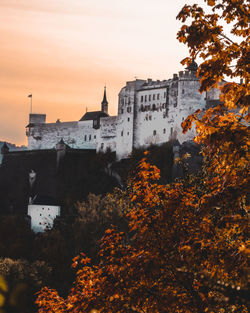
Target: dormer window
x,y
96,123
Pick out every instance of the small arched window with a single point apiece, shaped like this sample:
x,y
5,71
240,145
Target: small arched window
x,y
164,131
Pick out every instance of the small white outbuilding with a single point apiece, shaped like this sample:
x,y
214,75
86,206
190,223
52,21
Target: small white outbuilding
x,y
42,211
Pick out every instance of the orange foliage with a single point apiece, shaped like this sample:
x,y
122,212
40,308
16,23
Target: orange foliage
x,y
171,259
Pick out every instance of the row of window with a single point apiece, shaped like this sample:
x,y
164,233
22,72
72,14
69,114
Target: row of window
x,y
152,97
164,131
154,107
123,133
86,137
129,110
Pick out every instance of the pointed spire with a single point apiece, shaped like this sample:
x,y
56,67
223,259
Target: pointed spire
x,y
105,102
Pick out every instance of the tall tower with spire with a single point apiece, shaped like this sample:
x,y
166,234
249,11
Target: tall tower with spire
x,y
105,102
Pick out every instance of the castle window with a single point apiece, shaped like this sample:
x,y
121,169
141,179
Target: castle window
x,y
127,133
154,132
158,96
149,98
141,98
122,133
128,109
154,107
128,119
165,94
89,137
122,111
183,91
40,214
145,97
85,137
164,130
183,119
146,117
102,146
171,130
94,136
153,97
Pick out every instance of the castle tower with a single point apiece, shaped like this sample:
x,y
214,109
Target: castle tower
x,y
192,67
105,102
5,149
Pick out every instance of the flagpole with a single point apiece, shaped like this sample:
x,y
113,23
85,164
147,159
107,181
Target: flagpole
x,y
30,96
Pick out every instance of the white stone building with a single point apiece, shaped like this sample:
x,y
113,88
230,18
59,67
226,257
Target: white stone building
x,y
149,112
42,212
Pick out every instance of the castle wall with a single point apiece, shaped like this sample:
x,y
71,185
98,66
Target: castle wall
x,y
107,134
189,100
125,120
163,106
149,112
150,127
78,135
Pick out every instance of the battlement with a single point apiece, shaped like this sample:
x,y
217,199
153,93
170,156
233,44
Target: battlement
x,y
37,118
187,75
154,84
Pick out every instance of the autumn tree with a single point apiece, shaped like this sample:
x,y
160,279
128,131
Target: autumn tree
x,y
222,130
186,248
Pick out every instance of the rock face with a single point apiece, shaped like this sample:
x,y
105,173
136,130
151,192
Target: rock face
x,y
64,174
149,112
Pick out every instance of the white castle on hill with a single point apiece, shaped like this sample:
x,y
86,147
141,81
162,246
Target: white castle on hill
x,y
149,112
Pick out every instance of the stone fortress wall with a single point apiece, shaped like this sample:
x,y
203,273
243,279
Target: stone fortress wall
x,y
149,112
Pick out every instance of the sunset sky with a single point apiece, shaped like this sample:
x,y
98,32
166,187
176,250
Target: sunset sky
x,y
65,51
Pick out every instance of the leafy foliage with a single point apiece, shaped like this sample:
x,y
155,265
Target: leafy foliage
x,y
223,130
19,281
170,260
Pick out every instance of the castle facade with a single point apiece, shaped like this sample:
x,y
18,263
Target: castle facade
x,y
149,112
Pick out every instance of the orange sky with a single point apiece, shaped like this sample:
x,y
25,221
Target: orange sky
x,y
65,51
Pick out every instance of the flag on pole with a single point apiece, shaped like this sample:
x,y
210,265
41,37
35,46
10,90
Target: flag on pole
x,y
30,96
